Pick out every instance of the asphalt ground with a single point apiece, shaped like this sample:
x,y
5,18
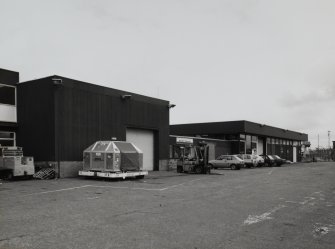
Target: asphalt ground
x,y
286,207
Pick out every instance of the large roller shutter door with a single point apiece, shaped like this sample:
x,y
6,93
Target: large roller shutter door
x,y
144,140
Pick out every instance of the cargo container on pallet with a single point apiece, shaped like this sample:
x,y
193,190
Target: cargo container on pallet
x,y
113,159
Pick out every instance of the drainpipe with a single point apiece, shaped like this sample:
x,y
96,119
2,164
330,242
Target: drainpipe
x,y
58,83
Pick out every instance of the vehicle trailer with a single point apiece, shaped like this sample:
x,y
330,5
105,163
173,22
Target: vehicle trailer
x,y
13,164
194,159
113,159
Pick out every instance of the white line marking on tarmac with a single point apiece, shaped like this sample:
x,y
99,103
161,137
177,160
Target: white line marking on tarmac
x,y
181,184
252,219
119,187
271,172
113,187
58,190
92,198
292,202
307,199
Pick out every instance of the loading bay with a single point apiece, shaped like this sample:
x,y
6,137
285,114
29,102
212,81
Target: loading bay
x,y
286,207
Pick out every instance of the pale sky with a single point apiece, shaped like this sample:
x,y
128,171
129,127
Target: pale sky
x,y
266,61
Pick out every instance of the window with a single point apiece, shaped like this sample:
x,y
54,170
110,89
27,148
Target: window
x,y
241,147
248,144
7,138
7,95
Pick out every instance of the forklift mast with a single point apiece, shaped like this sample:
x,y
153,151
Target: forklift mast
x,y
194,158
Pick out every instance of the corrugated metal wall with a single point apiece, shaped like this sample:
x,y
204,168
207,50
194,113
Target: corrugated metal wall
x,y
84,113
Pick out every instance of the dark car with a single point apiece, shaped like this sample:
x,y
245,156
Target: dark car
x,y
269,161
278,160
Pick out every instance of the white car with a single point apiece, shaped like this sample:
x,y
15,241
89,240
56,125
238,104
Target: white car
x,y
259,160
249,160
227,161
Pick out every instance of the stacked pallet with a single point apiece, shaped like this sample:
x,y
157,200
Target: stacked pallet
x,y
46,173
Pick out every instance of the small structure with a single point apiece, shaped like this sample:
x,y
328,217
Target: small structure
x,y
113,159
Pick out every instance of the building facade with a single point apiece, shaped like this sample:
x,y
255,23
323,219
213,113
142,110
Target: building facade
x,y
59,117
247,137
8,107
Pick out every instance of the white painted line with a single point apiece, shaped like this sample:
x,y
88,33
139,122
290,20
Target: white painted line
x,y
252,219
113,187
271,172
58,190
181,184
92,198
130,188
307,199
292,202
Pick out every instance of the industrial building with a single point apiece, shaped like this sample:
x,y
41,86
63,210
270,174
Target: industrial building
x,y
8,107
59,117
55,118
240,137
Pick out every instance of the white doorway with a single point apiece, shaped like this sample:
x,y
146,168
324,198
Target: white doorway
x,y
144,140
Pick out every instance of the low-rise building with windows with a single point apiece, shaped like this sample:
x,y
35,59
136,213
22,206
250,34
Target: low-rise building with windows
x,y
243,137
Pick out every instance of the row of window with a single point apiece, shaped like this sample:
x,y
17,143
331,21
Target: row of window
x,y
282,141
7,95
249,139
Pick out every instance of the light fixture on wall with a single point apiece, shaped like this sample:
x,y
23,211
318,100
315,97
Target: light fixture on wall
x,y
57,81
125,96
171,106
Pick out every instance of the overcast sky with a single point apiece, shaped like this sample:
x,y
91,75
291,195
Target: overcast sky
x,y
270,62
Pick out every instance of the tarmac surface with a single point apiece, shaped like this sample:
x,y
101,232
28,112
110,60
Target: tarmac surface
x,y
292,206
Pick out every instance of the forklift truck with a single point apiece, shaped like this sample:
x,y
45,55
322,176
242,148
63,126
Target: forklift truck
x,y
194,159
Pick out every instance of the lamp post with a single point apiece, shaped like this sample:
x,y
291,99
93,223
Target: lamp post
x,y
318,142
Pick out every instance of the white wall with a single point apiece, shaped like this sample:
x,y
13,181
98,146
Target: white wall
x,y
259,146
8,113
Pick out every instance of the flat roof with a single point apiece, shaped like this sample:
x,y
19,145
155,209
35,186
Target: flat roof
x,y
236,127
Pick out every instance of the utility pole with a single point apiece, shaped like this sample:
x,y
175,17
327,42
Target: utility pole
x,y
318,142
329,139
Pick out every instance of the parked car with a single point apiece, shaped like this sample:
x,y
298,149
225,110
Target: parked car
x,y
278,160
227,161
249,160
259,160
269,161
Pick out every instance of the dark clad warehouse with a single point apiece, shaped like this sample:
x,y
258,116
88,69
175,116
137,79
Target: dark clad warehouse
x,y
60,117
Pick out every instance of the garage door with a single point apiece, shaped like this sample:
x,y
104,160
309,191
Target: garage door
x,y
144,140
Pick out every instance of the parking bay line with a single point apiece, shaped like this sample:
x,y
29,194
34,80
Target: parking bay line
x,y
113,187
269,173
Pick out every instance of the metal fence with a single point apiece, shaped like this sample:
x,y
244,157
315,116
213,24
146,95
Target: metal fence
x,y
319,155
